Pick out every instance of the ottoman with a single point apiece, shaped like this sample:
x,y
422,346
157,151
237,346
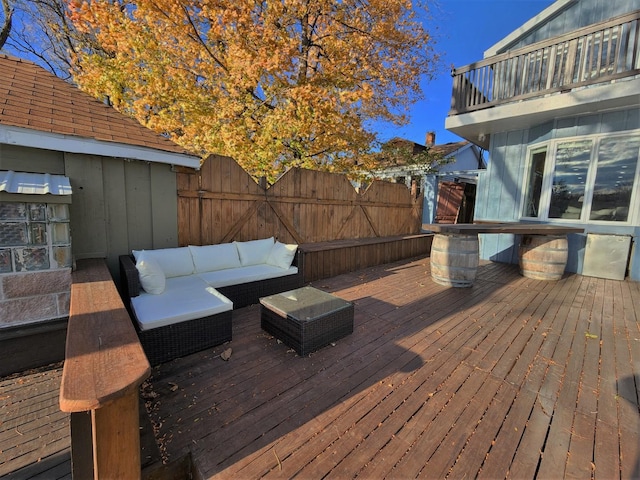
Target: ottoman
x,y
306,319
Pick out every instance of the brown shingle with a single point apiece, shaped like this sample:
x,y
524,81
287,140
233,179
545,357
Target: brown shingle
x,y
31,97
443,149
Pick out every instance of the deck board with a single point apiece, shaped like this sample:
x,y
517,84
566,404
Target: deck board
x,y
512,378
489,369
34,433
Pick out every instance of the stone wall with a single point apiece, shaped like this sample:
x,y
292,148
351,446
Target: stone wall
x,y
30,297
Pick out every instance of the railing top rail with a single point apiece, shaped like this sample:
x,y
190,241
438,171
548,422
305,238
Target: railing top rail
x,y
620,20
104,360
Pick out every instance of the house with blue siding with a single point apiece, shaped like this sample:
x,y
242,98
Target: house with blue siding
x,y
556,103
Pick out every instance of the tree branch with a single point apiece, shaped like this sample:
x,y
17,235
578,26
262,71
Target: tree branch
x,y
6,27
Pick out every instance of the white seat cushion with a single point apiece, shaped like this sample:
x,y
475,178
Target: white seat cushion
x,y
253,273
184,298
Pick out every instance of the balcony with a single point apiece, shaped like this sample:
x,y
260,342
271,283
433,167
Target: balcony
x,y
600,55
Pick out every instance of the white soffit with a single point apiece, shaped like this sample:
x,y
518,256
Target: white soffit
x,y
25,137
34,183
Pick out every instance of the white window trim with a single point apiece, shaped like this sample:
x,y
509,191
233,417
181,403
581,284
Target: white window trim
x,y
547,183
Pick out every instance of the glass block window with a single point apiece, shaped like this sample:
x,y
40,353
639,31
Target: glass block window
x,y
34,236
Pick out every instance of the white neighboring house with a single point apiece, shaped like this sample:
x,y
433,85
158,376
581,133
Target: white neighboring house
x,y
462,156
464,161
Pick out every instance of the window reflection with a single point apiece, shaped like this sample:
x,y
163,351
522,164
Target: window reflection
x,y
534,183
569,177
617,161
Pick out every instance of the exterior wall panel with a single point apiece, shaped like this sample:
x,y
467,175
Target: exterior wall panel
x,y
164,213
137,192
88,225
120,205
577,15
34,160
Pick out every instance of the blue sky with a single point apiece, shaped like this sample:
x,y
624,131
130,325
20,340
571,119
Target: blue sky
x,y
465,29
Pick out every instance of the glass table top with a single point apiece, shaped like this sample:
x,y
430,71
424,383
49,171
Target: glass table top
x,y
304,304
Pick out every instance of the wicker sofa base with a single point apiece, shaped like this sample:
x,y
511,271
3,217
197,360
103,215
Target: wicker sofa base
x,y
184,338
308,335
172,341
245,294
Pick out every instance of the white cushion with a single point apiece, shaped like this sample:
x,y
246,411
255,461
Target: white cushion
x,y
209,258
252,273
175,262
281,255
184,298
254,252
152,277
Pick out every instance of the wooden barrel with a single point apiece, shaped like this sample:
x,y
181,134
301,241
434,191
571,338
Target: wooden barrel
x,y
454,259
543,257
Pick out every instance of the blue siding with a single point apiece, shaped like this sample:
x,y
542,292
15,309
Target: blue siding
x,y
499,189
576,15
500,193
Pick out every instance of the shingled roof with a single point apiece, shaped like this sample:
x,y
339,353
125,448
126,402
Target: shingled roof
x,y
34,99
443,150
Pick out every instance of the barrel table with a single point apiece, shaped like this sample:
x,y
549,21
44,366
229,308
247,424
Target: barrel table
x,y
455,256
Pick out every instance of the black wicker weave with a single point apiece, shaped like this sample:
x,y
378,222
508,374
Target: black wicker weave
x,y
163,344
316,325
172,341
245,294
166,343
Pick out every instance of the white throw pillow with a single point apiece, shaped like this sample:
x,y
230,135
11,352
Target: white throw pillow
x,y
175,262
152,277
254,252
210,258
281,255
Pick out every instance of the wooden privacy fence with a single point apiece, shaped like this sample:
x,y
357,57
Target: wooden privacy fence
x,y
221,203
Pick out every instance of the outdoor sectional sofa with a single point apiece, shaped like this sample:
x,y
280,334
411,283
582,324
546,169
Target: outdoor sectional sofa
x,y
181,299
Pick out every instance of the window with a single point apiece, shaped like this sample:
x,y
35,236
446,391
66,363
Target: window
x,y
569,178
617,164
534,183
34,236
586,179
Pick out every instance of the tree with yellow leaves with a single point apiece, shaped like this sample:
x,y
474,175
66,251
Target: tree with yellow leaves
x,y
273,84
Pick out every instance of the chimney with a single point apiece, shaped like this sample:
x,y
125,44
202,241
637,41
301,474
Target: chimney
x,y
431,139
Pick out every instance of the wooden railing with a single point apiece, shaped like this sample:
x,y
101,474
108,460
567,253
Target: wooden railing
x,y
104,366
595,54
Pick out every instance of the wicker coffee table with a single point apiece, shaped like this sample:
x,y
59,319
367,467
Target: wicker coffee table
x,y
306,319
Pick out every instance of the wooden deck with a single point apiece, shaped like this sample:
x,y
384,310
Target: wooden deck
x,y
34,433
511,378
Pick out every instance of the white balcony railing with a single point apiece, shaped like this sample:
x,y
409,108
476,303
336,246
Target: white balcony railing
x,y
595,54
